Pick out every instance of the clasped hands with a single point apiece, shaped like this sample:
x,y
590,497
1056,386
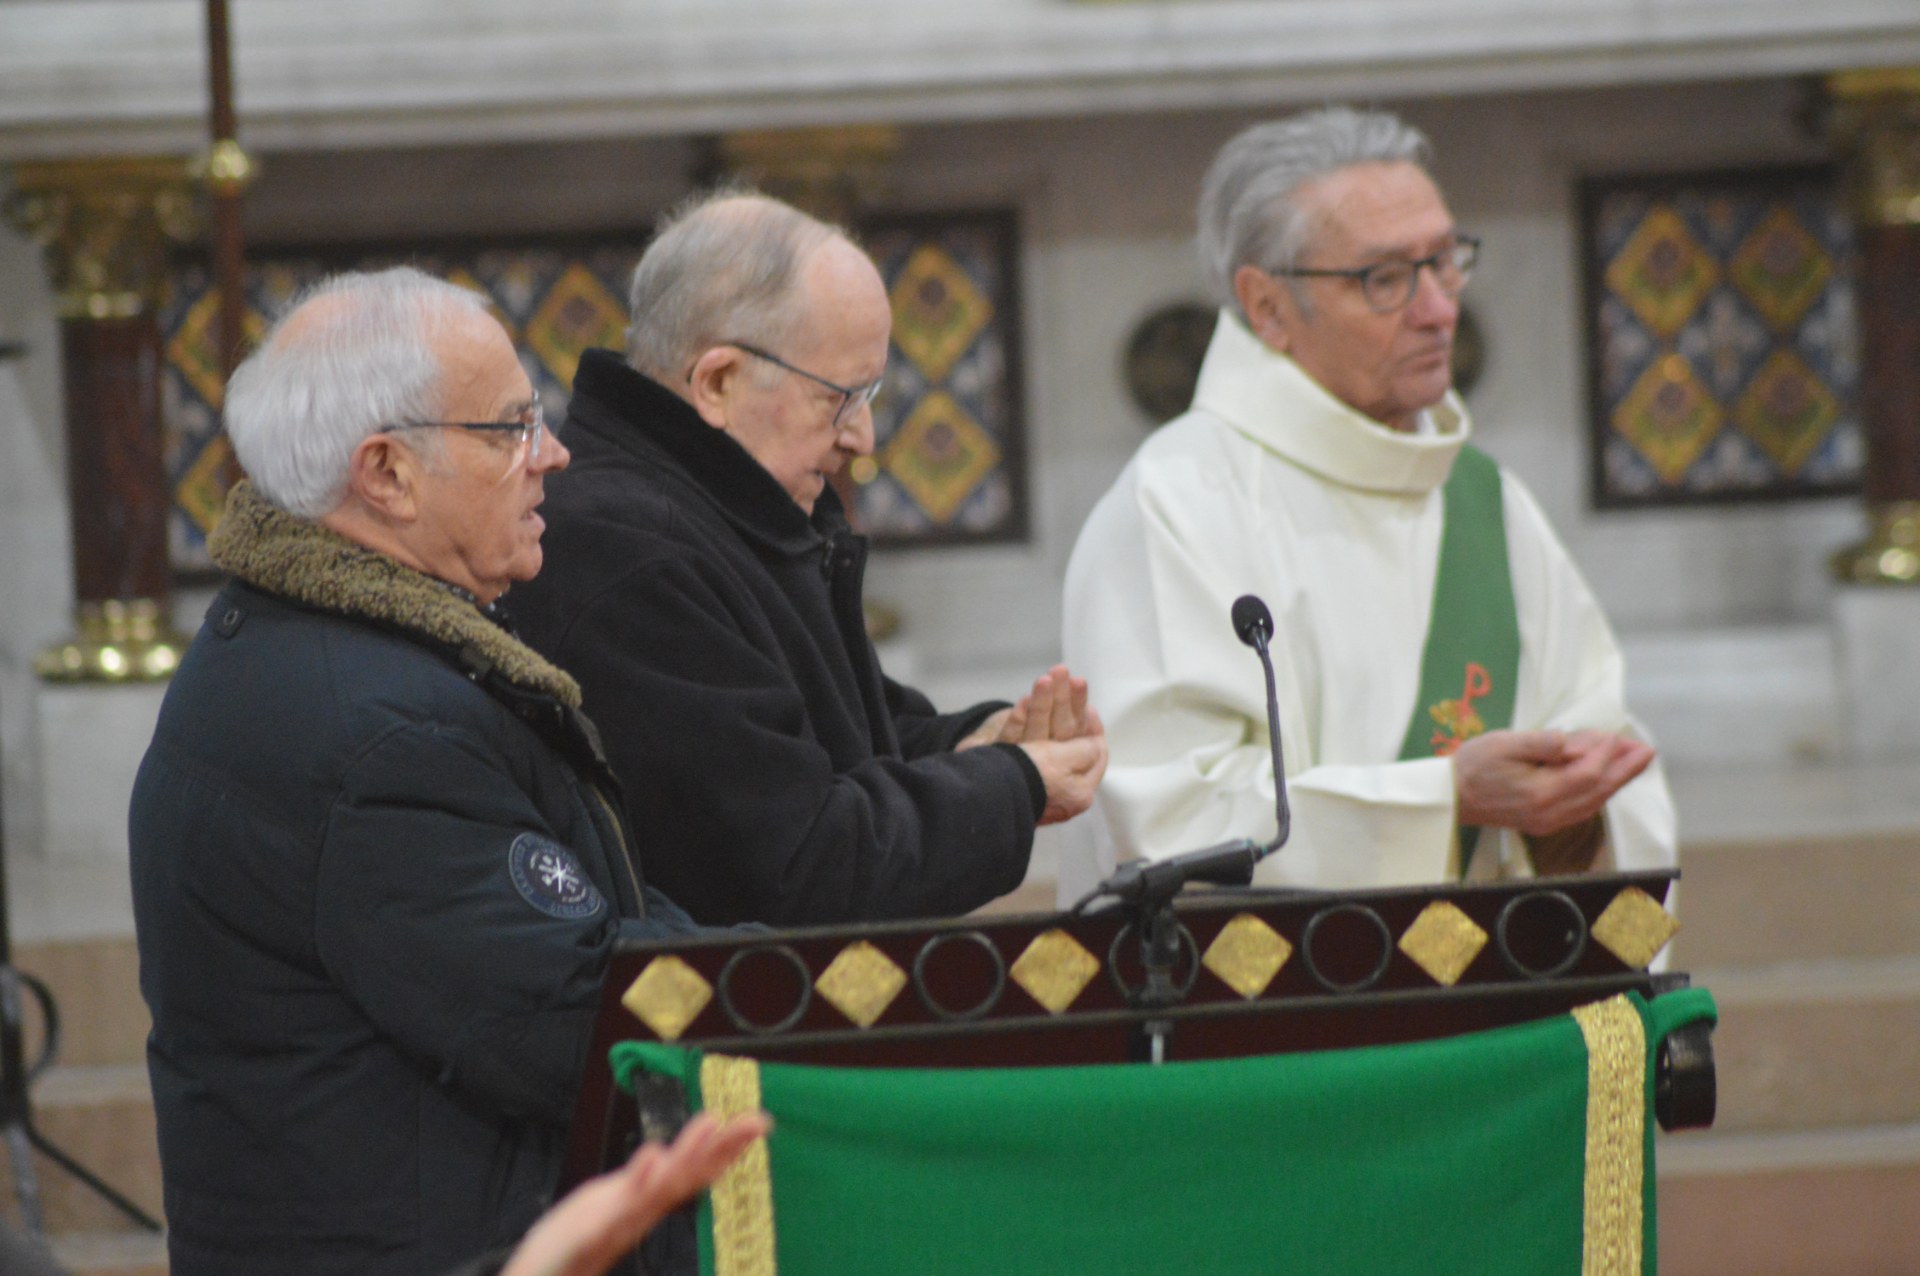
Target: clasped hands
x,y
1549,785
1061,733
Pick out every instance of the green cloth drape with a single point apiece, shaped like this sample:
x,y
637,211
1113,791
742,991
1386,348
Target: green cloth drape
x,y
1469,1155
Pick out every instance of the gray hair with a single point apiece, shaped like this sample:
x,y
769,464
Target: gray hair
x,y
352,355
1249,211
725,266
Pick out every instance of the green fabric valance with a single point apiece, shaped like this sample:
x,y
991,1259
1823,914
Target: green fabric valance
x,y
1523,1150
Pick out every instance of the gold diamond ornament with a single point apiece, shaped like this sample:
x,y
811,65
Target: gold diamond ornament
x,y
939,455
1635,927
1247,954
1780,269
1055,969
1669,416
1443,941
1788,410
1663,273
202,490
937,311
578,314
195,348
861,982
667,997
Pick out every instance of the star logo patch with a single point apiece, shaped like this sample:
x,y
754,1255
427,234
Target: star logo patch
x,y
549,877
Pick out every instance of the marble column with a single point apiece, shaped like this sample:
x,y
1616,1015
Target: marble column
x,y
1875,120
107,226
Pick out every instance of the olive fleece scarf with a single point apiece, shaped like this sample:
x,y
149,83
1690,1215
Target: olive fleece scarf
x,y
272,550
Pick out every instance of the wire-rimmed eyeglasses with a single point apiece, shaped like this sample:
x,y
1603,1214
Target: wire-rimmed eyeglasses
x,y
852,397
525,432
1389,285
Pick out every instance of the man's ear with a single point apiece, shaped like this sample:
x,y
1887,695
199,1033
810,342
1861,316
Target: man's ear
x,y
384,477
713,383
1272,313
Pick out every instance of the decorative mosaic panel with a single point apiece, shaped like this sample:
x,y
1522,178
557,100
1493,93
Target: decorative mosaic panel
x,y
949,462
555,298
1724,352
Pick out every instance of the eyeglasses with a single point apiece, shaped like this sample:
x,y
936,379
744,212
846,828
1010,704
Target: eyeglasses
x,y
1389,285
852,397
525,433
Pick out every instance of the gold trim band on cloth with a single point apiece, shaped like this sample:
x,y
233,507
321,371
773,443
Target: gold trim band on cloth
x,y
742,1197
1616,1137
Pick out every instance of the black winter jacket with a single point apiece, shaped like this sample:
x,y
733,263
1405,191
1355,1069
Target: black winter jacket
x,y
772,771
375,887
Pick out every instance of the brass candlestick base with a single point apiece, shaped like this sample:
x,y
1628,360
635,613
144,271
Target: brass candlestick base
x,y
1891,553
119,641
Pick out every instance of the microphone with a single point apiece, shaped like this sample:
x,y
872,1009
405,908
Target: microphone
x,y
1254,623
1229,863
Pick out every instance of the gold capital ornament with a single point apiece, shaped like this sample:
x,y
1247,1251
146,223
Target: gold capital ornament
x,y
108,226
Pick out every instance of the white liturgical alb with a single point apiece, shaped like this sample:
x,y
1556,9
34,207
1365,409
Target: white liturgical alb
x,y
1270,486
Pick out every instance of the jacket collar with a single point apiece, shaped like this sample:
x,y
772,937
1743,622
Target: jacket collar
x,y
630,410
1267,397
272,550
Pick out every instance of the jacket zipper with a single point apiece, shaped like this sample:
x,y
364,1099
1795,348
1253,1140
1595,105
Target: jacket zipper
x,y
626,852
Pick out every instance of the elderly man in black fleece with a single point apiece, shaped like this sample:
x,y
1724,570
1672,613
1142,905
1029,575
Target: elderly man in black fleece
x,y
705,587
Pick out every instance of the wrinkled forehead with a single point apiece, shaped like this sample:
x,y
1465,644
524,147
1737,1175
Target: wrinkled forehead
x,y
1368,212
480,372
847,318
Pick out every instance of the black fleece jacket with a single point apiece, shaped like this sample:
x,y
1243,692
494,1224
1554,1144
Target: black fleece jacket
x,y
377,874
773,772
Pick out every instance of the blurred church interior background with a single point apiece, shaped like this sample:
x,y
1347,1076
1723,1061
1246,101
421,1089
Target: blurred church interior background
x,y
1700,220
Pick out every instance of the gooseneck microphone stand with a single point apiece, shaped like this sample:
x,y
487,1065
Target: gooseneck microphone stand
x,y
1145,888
16,1108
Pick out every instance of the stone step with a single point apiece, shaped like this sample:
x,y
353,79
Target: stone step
x,y
96,990
102,1117
1812,1203
111,1253
1762,902
1818,1044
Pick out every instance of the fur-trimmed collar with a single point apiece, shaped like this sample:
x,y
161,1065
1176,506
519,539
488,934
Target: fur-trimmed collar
x,y
272,550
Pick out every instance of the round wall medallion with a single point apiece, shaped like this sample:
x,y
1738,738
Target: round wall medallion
x,y
1469,353
1162,362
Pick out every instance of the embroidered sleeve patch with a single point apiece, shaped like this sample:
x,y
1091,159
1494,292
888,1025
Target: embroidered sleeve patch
x,y
549,877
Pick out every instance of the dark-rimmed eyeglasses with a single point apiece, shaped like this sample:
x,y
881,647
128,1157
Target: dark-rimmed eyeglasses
x,y
525,432
852,397
1389,285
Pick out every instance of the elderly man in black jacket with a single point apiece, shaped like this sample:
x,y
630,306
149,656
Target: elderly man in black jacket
x,y
378,863
705,587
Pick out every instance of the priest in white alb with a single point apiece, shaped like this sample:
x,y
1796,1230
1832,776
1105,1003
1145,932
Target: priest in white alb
x,y
1450,695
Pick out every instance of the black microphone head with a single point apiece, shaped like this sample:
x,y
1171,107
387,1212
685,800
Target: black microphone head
x,y
1252,621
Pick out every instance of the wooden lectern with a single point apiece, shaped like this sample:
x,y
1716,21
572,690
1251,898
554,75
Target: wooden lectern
x,y
1214,975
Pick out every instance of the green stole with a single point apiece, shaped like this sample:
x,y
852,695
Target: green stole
x,y
1472,659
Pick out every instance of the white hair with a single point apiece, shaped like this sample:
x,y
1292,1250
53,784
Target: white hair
x,y
353,355
725,266
1250,214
